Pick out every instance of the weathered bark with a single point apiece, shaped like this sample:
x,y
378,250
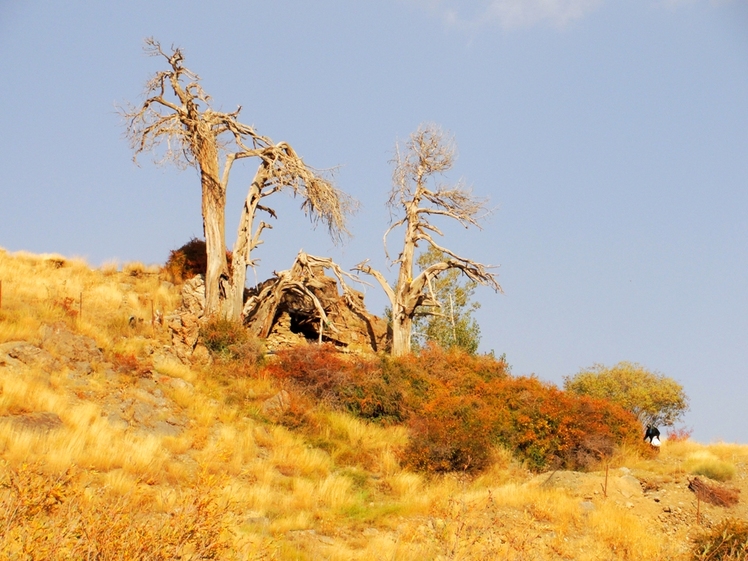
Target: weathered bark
x,y
429,153
214,228
246,241
312,298
402,327
196,135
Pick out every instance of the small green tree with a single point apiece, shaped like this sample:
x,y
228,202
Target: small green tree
x,y
654,398
455,325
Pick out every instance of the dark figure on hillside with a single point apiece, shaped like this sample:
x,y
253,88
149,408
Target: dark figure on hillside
x,y
653,435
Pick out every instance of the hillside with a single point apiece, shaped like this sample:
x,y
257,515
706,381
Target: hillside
x,y
113,448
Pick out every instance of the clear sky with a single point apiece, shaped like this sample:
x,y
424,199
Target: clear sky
x,y
611,138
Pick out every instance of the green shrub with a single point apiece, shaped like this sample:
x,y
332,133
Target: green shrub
x,y
229,340
727,541
654,398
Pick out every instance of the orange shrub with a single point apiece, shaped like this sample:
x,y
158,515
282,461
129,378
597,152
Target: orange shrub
x,y
680,434
457,405
359,386
449,434
550,428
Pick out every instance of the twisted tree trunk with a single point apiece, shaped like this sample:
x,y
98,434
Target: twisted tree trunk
x,y
213,209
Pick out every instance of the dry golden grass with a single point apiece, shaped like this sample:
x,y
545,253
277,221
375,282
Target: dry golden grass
x,y
331,489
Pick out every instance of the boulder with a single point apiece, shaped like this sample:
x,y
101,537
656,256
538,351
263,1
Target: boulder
x,y
19,354
59,340
184,324
42,421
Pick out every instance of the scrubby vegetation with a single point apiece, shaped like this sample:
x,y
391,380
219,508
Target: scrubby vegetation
x,y
458,406
727,541
653,397
189,260
130,453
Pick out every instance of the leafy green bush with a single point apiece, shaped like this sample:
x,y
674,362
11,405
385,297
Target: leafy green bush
x,y
229,340
727,541
654,398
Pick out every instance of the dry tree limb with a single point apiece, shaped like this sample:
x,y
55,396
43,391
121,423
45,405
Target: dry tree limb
x,y
713,493
428,153
260,310
177,124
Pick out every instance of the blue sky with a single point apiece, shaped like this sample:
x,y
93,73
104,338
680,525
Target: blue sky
x,y
611,138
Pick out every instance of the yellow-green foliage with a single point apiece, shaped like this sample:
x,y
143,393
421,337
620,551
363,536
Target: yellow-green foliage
x,y
704,462
652,397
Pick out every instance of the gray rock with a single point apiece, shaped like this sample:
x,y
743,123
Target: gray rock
x,y
82,367
276,404
42,421
163,428
176,383
142,412
30,356
117,421
257,521
60,341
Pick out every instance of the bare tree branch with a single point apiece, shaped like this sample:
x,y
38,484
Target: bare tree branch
x,y
177,124
429,152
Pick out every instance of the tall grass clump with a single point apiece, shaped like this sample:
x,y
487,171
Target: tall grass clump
x,y
705,463
727,541
55,516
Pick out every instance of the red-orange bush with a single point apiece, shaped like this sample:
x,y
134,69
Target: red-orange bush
x,y
449,434
460,405
358,386
548,427
457,405
680,434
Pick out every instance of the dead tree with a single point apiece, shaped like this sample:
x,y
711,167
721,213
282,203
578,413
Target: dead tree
x,y
177,117
428,153
301,279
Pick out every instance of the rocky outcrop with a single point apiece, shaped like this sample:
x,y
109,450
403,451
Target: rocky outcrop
x,y
40,421
59,340
184,324
298,306
80,371
304,304
61,349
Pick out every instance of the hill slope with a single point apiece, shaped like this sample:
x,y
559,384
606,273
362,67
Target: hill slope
x,y
110,447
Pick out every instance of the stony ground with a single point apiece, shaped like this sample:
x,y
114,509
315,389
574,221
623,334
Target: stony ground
x,y
656,491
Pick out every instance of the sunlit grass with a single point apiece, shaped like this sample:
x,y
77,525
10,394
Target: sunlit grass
x,y
333,487
705,462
